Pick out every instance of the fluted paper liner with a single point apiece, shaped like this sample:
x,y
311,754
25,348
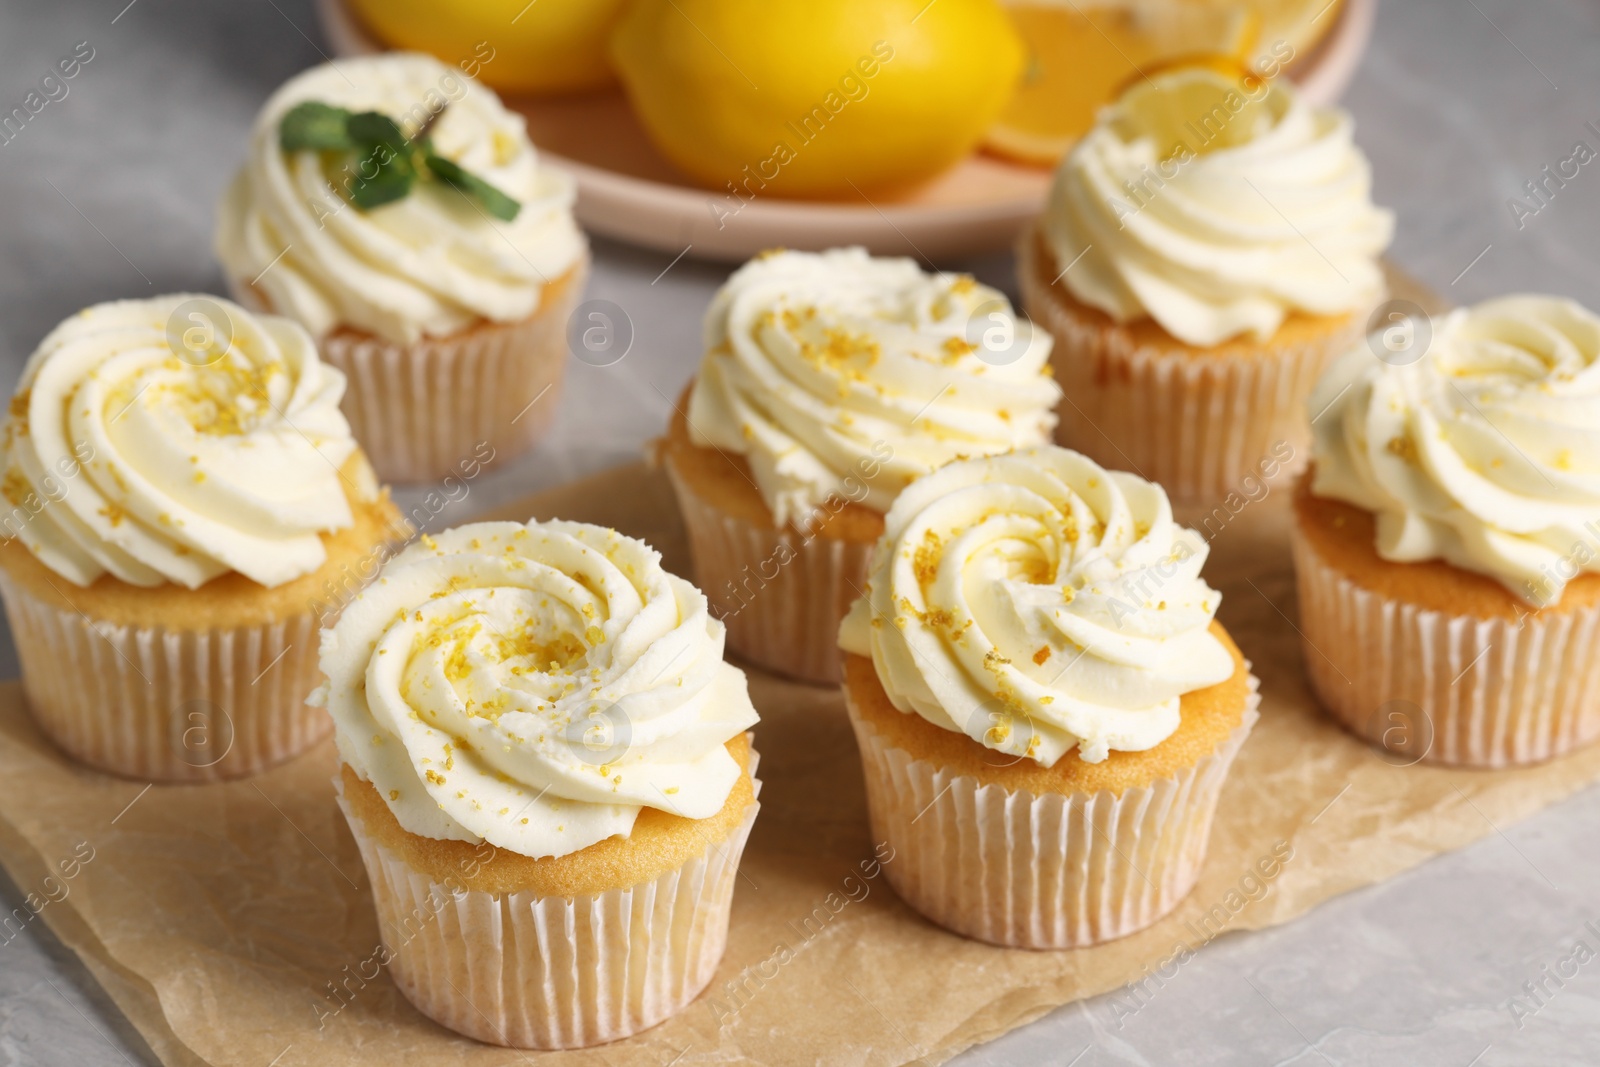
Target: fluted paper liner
x,y
537,972
448,405
1053,871
1197,423
780,593
1490,692
233,921
167,705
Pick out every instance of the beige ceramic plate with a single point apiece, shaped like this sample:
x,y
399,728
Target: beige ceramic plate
x,y
627,191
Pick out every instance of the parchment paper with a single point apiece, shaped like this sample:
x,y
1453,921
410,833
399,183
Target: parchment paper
x,y
232,923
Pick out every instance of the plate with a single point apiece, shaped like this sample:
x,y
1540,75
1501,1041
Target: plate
x,y
627,191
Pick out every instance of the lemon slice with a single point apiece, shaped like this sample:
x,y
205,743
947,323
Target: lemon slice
x,y
1081,54
1299,24
1201,107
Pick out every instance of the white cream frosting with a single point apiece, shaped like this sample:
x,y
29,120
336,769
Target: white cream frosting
x,y
429,264
1263,211
838,373
154,468
1485,452
1036,602
534,686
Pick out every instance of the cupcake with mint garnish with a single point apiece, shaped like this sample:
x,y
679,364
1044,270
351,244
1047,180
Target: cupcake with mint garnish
x,y
397,210
186,505
1447,541
1208,248
831,380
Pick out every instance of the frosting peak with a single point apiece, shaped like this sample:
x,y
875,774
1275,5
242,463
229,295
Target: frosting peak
x,y
1037,602
1484,452
428,264
534,686
841,373
1217,210
176,439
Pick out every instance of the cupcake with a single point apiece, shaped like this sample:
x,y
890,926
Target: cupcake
x,y
186,505
1045,705
829,382
393,207
1447,540
547,770
1206,251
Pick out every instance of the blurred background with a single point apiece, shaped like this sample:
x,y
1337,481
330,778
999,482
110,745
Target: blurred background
x,y
109,190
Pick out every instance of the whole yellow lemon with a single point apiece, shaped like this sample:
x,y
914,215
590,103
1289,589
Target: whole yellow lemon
x,y
542,47
816,98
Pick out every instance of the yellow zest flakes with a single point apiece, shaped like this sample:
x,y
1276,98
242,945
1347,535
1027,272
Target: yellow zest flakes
x,y
993,660
434,776
394,794
1043,654
669,790
925,563
16,487
956,347
429,543
1047,700
114,514
997,734
1402,446
19,410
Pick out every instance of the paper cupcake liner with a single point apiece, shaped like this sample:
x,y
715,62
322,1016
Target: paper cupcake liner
x,y
164,705
1046,872
449,405
1197,423
526,971
1456,689
780,595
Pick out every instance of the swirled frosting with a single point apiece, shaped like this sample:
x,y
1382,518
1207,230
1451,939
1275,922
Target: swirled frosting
x,y
1036,602
841,373
428,264
534,686
176,439
1484,452
1221,222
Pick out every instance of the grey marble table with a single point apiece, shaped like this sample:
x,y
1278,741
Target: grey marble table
x,y
107,193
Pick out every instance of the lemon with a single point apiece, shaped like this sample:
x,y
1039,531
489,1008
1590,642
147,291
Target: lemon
x,y
1079,55
543,47
816,98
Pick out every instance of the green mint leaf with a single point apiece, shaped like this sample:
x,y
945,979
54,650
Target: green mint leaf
x,y
373,128
382,175
314,126
493,200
